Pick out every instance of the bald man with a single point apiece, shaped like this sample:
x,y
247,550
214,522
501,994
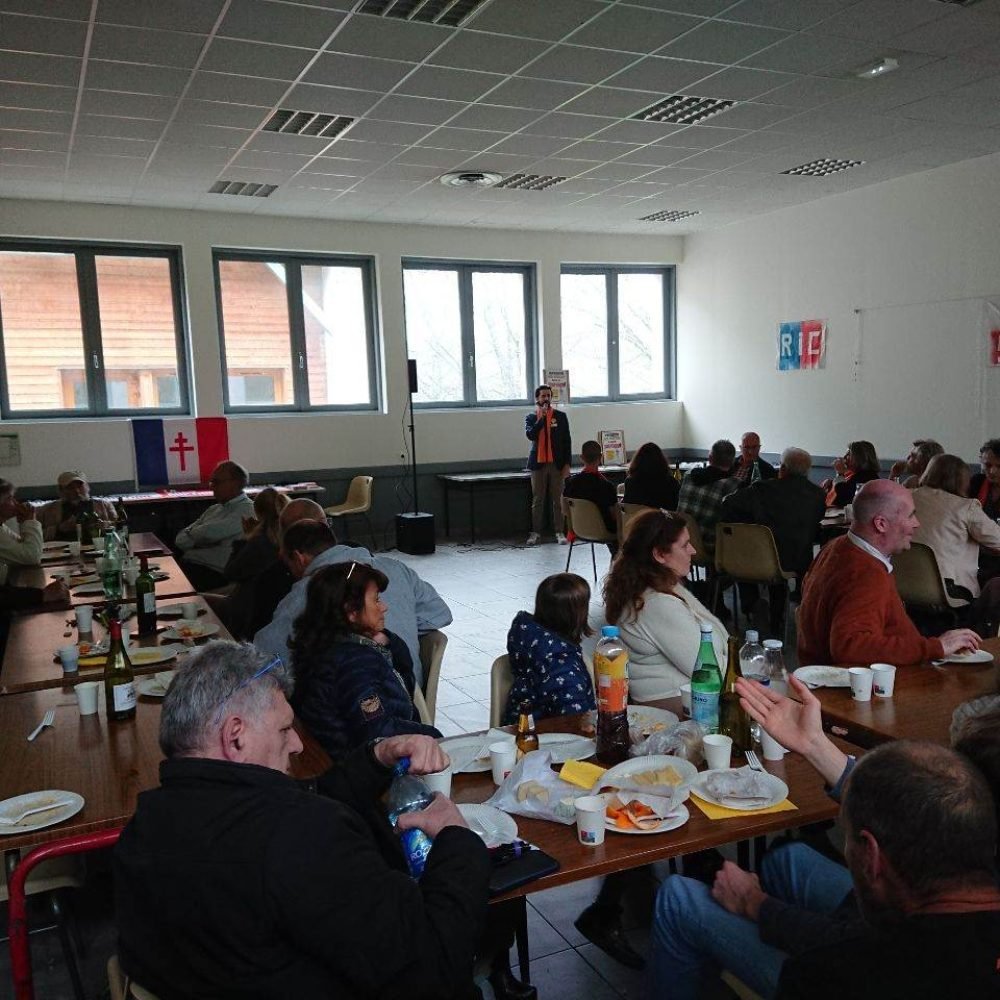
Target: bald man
x,y
748,457
851,612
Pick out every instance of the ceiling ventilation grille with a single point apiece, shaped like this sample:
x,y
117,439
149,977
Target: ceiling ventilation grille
x,y
529,182
669,215
680,109
289,122
823,168
246,188
451,13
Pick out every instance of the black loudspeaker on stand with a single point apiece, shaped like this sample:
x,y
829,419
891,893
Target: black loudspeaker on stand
x,y
414,531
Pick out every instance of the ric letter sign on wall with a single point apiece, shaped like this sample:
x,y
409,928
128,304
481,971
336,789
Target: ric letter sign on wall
x,y
801,344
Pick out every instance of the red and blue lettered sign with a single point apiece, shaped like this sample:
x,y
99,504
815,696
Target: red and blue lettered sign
x,y
801,344
170,452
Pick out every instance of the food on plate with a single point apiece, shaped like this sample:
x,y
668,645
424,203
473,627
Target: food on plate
x,y
631,815
661,776
189,631
532,790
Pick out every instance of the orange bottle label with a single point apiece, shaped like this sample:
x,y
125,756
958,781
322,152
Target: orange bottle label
x,y
612,682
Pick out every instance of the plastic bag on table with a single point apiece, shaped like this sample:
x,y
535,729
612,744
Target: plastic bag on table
x,y
681,740
534,790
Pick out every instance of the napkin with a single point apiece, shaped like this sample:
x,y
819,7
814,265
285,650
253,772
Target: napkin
x,y
712,811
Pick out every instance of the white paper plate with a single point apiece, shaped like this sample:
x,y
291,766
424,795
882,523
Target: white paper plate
x,y
818,676
649,719
454,745
562,746
146,656
979,656
87,589
155,686
202,631
779,791
651,762
674,821
76,581
11,807
175,611
482,817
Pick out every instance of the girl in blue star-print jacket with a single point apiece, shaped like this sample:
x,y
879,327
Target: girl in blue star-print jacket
x,y
545,654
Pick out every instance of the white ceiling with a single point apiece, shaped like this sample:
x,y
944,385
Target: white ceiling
x,y
149,102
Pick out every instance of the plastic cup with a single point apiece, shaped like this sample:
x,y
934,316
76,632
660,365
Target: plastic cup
x,y
502,756
883,679
590,826
438,781
86,697
98,543
770,747
861,683
69,656
131,574
85,618
686,699
718,751
190,609
74,550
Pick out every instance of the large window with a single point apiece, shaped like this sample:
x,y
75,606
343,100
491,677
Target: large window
x,y
297,331
90,330
617,331
471,329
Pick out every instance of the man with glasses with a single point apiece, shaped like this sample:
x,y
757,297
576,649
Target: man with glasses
x,y
231,881
59,518
207,544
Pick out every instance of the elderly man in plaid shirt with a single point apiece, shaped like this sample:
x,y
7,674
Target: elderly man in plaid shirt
x,y
703,490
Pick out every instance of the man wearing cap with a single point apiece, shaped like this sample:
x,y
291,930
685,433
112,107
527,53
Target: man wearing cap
x,y
58,518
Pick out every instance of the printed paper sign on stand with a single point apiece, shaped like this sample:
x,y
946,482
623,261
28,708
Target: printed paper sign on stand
x,y
801,344
172,452
612,447
559,382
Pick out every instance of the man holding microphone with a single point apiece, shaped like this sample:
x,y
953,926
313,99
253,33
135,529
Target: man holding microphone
x,y
551,448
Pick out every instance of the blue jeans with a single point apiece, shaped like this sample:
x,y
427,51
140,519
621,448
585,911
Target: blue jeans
x,y
694,937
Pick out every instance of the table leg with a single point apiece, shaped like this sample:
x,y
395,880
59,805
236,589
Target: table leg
x,y
472,513
521,940
447,508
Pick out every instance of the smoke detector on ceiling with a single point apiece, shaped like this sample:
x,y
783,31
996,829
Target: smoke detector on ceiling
x,y
470,178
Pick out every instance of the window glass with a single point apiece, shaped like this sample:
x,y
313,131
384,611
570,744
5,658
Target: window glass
x,y
640,334
585,333
434,333
498,322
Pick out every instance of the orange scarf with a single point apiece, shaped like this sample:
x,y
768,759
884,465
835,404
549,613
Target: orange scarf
x,y
831,497
544,453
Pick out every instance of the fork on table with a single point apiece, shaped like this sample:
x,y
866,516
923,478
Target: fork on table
x,y
754,761
47,720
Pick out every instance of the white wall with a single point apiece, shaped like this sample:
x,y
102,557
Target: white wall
x,y
293,442
912,255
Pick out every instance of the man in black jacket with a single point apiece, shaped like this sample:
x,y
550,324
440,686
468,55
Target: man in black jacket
x,y
548,462
232,882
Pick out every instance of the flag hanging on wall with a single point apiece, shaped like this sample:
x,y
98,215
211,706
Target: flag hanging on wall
x,y
801,345
169,452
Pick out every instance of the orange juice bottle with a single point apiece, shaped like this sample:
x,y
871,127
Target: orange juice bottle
x,y
611,677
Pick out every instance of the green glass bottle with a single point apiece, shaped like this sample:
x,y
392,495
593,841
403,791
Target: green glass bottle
x,y
119,680
733,721
706,684
145,598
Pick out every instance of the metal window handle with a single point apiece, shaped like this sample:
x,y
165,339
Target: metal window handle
x,y
97,363
302,363
472,361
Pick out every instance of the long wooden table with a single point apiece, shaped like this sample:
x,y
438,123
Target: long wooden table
x,y
139,542
921,707
29,662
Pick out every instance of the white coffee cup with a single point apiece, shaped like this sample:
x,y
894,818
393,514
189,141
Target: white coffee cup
x,y
69,656
190,609
74,550
590,820
85,618
86,697
686,699
883,679
438,781
502,756
770,747
861,683
718,751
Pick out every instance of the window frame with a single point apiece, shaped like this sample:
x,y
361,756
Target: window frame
x,y
465,270
610,273
94,367
293,262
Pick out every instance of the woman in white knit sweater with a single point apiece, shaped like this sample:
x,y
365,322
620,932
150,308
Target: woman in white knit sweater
x,y
660,620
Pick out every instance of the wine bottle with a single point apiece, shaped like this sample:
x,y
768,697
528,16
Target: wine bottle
x,y
119,681
145,598
733,721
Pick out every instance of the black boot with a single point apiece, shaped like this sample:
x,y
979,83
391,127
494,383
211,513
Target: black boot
x,y
602,926
506,987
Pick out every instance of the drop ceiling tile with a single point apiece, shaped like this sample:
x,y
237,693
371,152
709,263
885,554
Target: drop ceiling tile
x,y
25,67
449,84
506,163
959,31
75,10
633,131
237,88
328,170
373,152
330,100
816,55
558,166
666,76
25,95
761,142
104,166
242,116
561,125
737,84
387,38
107,102
279,23
492,118
657,156
748,115
813,91
200,136
634,29
596,150
952,109
289,163
159,48
702,136
388,133
426,156
791,14
611,103
171,155
414,110
194,15
575,64
275,62
135,78
714,159
42,35
881,20
361,72
723,42
587,185
26,139
44,121
108,146
490,53
538,94
471,140
531,145
278,142
682,174
407,172
551,20
619,171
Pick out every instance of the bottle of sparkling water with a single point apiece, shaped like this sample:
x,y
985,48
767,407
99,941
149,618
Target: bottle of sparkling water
x,y
706,684
408,793
112,566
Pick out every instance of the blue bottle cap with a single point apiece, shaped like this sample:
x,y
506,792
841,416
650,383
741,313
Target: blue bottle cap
x,y
402,766
610,630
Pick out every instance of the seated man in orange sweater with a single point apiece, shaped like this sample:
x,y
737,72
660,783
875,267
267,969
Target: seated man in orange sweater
x,y
851,611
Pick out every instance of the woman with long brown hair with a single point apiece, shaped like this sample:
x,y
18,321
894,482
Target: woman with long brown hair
x,y
660,620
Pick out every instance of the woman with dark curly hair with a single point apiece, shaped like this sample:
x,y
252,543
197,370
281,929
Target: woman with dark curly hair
x,y
859,465
660,620
650,481
353,679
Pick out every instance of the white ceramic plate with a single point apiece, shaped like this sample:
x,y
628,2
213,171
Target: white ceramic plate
x,y
779,791
155,686
820,677
562,746
674,821
651,762
146,656
492,824
199,631
11,807
979,656
175,611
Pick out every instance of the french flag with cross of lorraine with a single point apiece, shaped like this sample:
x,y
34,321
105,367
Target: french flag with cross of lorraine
x,y
174,452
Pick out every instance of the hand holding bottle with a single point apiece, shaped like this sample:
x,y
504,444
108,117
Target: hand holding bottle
x,y
440,813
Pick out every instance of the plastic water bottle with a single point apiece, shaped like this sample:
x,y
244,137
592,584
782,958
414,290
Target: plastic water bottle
x,y
774,660
408,793
113,564
706,684
754,668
